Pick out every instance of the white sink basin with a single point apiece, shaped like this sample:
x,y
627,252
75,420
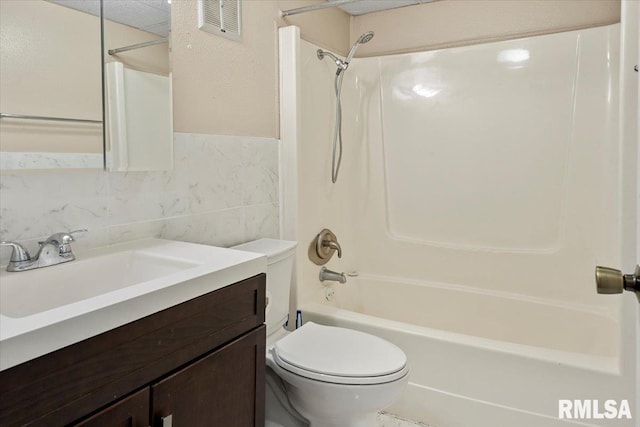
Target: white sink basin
x,y
49,308
26,293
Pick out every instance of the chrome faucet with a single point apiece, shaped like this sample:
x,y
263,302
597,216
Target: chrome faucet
x,y
54,250
333,276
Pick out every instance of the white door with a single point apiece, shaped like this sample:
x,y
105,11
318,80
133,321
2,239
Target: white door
x,y
630,225
634,24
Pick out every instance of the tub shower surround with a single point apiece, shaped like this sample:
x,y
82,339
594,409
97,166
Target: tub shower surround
x,y
483,273
223,191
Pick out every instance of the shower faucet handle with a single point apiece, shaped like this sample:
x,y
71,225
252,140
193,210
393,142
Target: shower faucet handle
x,y
332,244
323,247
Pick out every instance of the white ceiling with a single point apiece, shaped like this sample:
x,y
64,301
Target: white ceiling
x,y
360,7
153,16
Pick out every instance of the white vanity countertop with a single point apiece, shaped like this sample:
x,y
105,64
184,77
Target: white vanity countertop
x,y
67,316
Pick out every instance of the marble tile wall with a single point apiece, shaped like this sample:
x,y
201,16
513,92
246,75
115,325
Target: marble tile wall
x,y
223,191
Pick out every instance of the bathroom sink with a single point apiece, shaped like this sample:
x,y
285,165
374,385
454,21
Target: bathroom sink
x,y
46,309
27,293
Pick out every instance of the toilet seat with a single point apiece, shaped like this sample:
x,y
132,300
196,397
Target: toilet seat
x,y
339,355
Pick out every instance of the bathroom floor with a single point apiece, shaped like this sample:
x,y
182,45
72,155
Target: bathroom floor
x,y
390,420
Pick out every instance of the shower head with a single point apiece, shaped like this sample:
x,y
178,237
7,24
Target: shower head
x,y
344,64
365,38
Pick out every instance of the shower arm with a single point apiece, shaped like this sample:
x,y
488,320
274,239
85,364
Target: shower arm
x,y
342,65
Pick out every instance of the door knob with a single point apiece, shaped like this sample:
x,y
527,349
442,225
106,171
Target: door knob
x,y
612,281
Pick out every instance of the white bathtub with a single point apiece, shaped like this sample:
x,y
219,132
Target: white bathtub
x,y
483,358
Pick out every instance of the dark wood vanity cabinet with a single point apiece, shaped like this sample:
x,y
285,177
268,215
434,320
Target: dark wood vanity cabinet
x,y
199,363
214,391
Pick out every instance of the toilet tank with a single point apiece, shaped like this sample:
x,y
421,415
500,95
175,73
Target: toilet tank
x,y
280,255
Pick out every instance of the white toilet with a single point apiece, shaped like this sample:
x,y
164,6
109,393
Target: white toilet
x,y
333,377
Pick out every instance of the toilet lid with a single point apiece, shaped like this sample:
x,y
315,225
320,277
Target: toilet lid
x,y
339,352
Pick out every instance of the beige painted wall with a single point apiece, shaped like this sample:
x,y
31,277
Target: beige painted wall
x,y
228,87
448,23
327,28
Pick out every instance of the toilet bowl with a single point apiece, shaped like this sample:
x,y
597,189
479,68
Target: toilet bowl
x,y
326,376
337,377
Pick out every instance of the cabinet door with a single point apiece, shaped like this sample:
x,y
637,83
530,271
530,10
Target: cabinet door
x,y
132,411
223,389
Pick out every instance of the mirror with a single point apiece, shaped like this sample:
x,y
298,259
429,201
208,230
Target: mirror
x,y
139,119
51,96
51,85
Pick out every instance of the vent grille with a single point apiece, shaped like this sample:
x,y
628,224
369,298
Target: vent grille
x,y
221,17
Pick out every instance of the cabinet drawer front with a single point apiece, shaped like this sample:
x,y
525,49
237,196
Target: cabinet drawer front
x,y
65,385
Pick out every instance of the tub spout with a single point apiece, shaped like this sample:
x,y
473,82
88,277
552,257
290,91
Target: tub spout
x,y
328,275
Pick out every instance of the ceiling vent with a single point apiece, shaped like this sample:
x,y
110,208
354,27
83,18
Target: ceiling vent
x,y
221,17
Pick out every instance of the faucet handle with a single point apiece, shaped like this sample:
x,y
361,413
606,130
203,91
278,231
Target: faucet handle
x,y
333,244
67,238
19,253
64,238
81,232
323,247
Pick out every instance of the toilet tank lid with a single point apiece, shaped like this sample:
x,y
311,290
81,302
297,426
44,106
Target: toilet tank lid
x,y
274,249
